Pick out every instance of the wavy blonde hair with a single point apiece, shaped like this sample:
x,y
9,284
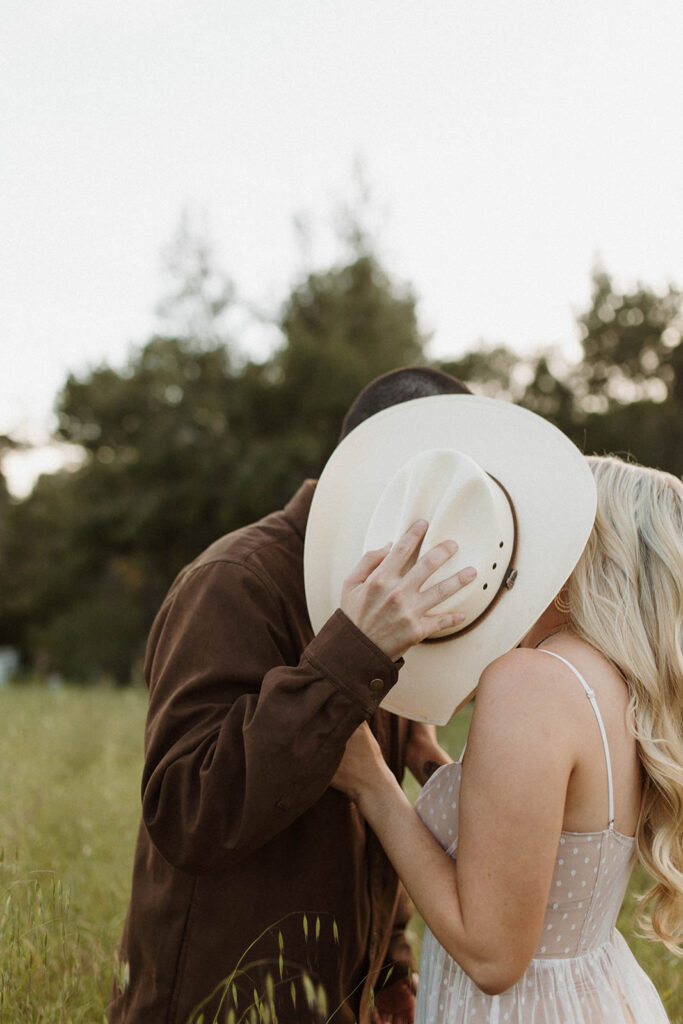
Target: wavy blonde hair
x,y
626,599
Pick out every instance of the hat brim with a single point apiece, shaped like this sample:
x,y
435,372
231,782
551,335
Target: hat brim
x,y
553,493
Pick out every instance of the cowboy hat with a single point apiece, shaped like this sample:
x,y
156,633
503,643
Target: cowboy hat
x,y
511,489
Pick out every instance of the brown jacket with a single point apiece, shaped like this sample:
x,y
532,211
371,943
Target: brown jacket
x,y
241,835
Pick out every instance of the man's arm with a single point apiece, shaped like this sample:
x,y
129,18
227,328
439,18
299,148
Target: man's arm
x,y
424,754
238,742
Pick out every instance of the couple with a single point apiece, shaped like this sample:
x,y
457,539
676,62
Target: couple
x,y
252,717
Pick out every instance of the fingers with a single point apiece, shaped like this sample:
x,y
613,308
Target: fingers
x,y
406,546
433,597
439,592
432,624
432,560
395,556
383,595
367,565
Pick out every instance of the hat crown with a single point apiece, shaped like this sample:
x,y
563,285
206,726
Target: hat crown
x,y
460,501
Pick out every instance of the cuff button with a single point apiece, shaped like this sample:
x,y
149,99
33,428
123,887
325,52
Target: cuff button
x,y
376,684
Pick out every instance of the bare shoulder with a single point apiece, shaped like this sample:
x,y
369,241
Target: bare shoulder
x,y
521,674
526,684
525,720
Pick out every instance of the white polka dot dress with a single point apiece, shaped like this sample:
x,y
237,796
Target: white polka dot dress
x,y
582,971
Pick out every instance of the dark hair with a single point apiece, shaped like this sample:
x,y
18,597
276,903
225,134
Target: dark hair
x,y
400,386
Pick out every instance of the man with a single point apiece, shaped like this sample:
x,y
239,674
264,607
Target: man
x,y
253,881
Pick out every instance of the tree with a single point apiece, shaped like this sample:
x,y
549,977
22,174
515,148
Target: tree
x,y
632,345
624,396
6,444
180,447
629,387
184,442
340,328
200,294
88,555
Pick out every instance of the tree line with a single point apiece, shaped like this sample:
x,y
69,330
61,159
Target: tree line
x,y
189,439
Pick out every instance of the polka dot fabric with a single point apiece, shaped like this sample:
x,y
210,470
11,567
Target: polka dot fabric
x,y
582,971
584,902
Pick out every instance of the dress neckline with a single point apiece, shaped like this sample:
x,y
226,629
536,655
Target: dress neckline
x,y
610,830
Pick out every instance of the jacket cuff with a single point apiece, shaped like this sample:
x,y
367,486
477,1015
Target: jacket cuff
x,y
345,656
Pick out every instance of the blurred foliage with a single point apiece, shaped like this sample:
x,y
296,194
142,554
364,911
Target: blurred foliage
x,y
4,493
179,447
625,395
188,440
200,295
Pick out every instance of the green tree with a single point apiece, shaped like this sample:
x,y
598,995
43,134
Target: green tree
x,y
631,344
624,396
185,442
88,555
629,387
341,328
179,446
6,444
200,295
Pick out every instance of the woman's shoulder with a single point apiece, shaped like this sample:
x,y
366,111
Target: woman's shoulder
x,y
546,682
530,680
524,713
522,667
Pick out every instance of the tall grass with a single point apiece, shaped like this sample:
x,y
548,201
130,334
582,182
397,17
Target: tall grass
x,y
69,809
68,815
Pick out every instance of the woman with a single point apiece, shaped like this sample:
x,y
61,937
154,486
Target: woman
x,y
557,794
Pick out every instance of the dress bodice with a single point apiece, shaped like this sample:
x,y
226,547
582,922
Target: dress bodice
x,y
590,877
591,871
582,971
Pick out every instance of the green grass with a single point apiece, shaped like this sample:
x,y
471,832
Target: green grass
x,y
68,817
69,809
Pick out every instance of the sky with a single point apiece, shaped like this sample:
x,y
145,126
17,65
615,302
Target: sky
x,y
508,147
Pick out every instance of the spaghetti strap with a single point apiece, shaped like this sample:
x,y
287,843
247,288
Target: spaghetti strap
x,y
591,696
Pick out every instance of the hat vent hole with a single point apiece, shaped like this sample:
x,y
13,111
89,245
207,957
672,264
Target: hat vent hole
x,y
501,544
485,586
494,565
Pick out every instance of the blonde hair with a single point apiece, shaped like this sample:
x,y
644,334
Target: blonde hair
x,y
626,599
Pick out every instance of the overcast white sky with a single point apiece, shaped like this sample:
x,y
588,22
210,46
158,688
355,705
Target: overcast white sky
x,y
507,143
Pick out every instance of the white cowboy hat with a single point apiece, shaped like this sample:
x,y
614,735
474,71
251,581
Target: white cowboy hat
x,y
511,489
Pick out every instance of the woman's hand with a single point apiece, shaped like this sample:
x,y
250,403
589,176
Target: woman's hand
x,y
383,596
362,765
423,753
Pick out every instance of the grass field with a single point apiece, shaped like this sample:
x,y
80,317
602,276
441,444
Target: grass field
x,y
69,807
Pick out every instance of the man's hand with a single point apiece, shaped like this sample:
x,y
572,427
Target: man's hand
x,y
423,753
395,1004
383,596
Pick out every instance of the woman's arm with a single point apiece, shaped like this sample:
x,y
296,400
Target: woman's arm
x,y
487,908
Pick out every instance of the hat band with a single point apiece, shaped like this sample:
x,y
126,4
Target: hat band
x,y
509,577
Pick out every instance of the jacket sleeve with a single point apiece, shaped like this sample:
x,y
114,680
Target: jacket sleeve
x,y
238,742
